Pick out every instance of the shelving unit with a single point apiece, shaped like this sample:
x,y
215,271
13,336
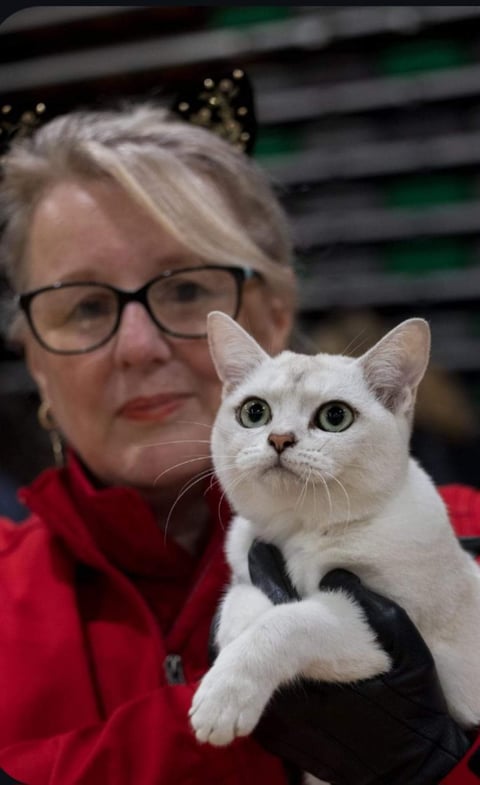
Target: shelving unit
x,y
369,125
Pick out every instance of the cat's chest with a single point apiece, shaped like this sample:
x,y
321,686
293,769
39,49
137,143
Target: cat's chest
x,y
310,558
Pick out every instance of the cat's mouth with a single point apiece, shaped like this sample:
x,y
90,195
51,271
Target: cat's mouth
x,y
278,468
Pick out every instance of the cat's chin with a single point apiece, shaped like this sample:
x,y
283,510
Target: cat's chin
x,y
274,477
279,471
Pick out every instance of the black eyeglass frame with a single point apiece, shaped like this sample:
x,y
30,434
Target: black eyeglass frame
x,y
24,301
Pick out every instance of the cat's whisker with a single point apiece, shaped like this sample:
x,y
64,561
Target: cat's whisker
x,y
209,426
352,346
194,422
219,506
303,493
226,490
305,487
349,512
314,492
223,495
188,486
308,480
314,486
195,479
178,465
327,491
241,474
193,460
301,496
236,481
175,441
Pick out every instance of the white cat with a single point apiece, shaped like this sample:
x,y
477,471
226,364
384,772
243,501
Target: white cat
x,y
313,454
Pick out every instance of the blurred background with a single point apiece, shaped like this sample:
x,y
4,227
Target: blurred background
x,y
369,124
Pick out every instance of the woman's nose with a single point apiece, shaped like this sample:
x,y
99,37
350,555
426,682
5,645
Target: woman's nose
x,y
138,340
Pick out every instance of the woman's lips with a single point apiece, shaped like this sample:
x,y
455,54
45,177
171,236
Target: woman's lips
x,y
155,407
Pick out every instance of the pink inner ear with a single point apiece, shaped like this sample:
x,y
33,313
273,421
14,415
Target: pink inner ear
x,y
394,367
235,353
395,399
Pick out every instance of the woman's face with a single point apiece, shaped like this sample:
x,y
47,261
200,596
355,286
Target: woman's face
x,y
137,410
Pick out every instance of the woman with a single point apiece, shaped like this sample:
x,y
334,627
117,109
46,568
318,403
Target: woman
x,y
123,230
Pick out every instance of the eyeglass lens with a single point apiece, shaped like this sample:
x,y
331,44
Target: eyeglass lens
x,y
81,316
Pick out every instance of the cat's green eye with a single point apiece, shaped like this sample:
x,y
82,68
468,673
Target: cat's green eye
x,y
254,413
334,416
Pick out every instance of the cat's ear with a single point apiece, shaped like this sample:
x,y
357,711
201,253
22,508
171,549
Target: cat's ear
x,y
234,352
395,366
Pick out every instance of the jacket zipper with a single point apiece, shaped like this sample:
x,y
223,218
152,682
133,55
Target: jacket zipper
x,y
173,667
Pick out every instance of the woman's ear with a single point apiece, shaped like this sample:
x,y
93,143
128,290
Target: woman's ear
x,y
282,325
269,319
36,368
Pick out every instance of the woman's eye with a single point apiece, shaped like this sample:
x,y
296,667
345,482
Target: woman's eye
x,y
334,416
97,308
254,413
188,292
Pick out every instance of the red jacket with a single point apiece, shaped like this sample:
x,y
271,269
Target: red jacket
x,y
93,599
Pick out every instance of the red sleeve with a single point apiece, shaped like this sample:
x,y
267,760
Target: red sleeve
x,y
147,741
463,504
467,772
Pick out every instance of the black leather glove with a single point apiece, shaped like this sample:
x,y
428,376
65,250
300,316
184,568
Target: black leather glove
x,y
393,729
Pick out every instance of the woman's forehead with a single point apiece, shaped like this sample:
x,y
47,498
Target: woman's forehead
x,y
88,230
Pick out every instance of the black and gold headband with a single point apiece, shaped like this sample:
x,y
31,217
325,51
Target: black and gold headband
x,y
18,122
223,105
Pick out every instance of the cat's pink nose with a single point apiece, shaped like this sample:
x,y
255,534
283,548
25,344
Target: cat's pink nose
x,y
280,441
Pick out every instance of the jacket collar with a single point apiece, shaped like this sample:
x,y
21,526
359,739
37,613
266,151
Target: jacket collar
x,y
111,524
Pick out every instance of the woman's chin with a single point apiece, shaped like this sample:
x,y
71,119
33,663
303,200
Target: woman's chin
x,y
166,469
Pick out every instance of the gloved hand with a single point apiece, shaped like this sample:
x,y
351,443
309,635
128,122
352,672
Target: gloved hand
x,y
393,729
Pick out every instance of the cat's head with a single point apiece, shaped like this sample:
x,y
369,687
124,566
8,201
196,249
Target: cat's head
x,y
323,438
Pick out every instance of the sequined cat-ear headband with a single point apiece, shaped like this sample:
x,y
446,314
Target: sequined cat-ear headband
x,y
18,123
223,105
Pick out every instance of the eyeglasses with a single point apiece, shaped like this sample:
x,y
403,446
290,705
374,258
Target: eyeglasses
x,y
73,318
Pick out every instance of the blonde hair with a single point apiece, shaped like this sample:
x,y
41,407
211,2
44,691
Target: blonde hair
x,y
215,200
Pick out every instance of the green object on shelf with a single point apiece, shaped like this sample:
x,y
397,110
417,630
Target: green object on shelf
x,y
474,329
420,191
272,142
427,255
422,54
239,16
474,392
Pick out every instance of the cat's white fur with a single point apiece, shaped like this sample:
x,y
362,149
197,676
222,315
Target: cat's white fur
x,y
353,499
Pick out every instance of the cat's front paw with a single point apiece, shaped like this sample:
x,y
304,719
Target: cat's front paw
x,y
227,704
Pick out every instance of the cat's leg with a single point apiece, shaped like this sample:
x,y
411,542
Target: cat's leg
x,y
309,779
325,636
458,668
241,607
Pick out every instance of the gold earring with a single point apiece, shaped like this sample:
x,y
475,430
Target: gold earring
x,y
47,421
